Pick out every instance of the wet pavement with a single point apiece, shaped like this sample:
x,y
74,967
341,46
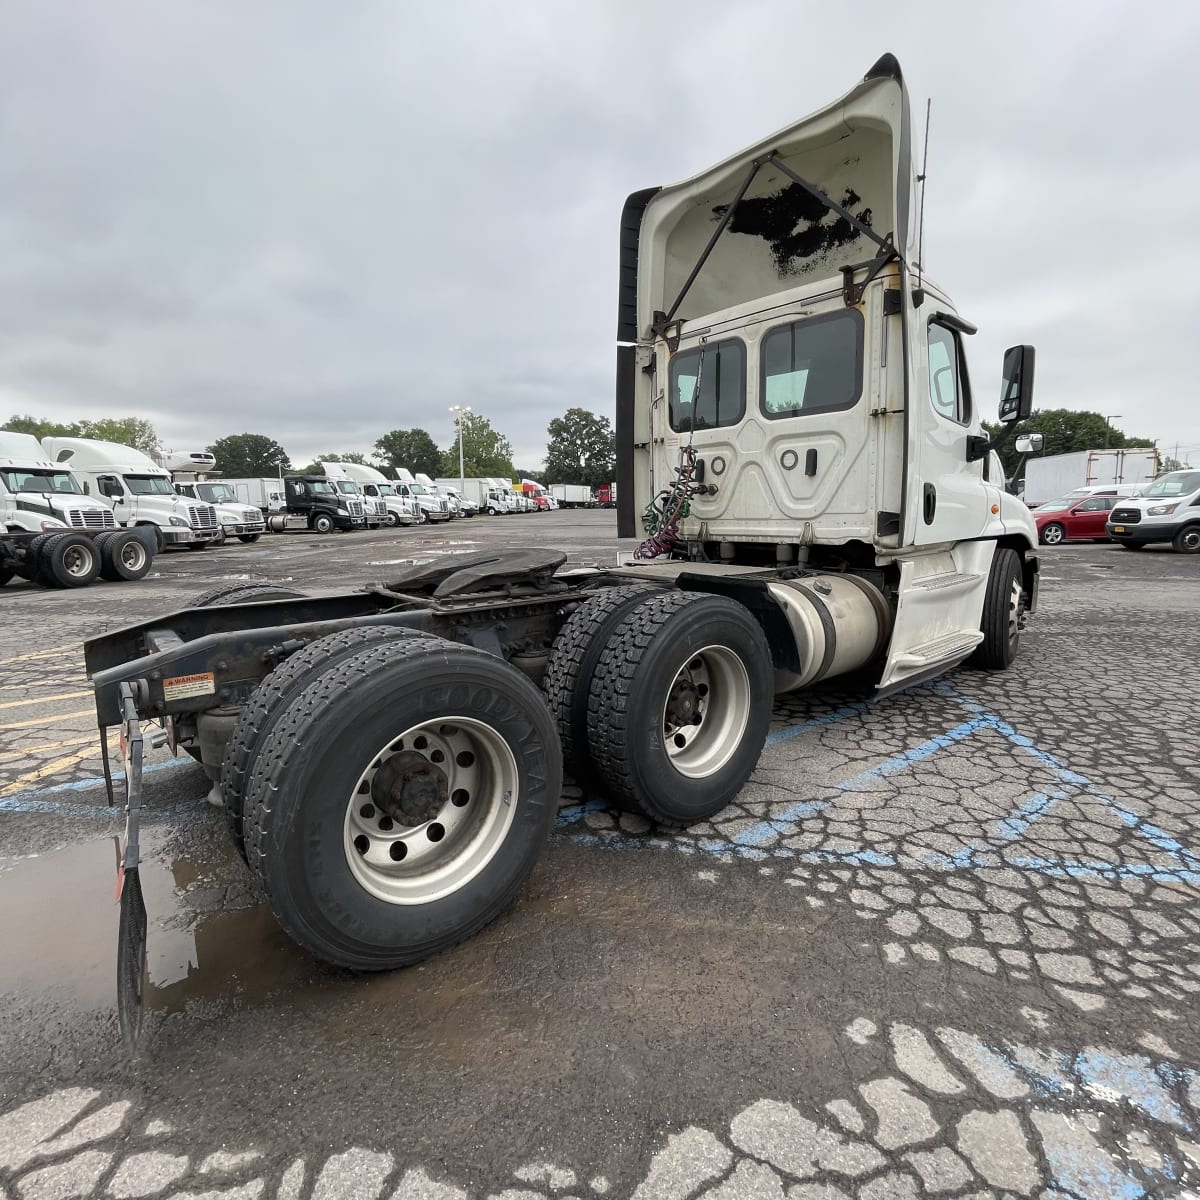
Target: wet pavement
x,y
944,944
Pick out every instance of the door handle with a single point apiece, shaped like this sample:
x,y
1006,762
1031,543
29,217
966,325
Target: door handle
x,y
930,503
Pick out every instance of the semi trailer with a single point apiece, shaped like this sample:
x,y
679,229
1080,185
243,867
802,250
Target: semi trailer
x,y
800,452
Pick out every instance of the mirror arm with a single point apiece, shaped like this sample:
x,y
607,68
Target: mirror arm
x,y
979,446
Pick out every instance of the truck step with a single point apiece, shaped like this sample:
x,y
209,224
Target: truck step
x,y
950,580
951,647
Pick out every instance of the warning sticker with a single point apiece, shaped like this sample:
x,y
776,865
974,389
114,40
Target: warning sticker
x,y
180,687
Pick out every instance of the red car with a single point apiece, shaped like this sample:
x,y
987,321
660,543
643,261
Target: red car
x,y
1073,519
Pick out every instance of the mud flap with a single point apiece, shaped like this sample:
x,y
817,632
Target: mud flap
x,y
131,928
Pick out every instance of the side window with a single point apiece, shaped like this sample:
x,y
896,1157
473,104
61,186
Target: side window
x,y
722,396
812,366
1095,504
947,393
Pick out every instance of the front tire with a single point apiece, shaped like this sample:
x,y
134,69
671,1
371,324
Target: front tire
x,y
1053,534
393,519
679,706
400,801
1001,623
248,538
321,523
1187,541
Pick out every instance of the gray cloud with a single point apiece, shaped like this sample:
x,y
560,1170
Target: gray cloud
x,y
324,221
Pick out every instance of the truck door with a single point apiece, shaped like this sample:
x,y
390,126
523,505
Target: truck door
x,y
948,501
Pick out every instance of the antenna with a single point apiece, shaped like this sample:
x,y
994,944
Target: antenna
x,y
921,180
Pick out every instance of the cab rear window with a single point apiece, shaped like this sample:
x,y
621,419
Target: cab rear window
x,y
721,397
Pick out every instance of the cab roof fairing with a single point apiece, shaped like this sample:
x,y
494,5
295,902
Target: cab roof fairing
x,y
856,150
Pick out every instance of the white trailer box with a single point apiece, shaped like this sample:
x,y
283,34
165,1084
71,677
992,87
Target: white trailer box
x,y
1048,478
265,492
572,495
140,491
38,496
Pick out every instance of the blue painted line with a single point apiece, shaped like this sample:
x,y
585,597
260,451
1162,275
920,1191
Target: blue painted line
x,y
1017,822
1157,837
833,718
26,802
904,760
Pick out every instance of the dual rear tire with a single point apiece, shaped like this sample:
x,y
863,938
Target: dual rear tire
x,y
662,699
393,791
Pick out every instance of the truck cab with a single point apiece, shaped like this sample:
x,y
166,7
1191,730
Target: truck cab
x,y
317,499
386,506
793,389
430,505
237,520
39,496
138,489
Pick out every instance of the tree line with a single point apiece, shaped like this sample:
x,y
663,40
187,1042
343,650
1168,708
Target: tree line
x,y
582,448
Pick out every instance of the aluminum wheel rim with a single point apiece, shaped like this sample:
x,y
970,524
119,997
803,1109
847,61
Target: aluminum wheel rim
x,y
77,561
1052,535
422,861
706,711
133,554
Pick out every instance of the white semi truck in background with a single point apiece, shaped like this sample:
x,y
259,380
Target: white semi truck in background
x,y
264,492
374,509
430,503
38,495
380,491
140,491
802,457
1051,477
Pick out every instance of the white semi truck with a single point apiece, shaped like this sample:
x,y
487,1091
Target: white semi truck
x,y
238,519
374,508
381,492
38,495
140,491
800,451
431,505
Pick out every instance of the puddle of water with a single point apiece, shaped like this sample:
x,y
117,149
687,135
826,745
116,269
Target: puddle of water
x,y
58,925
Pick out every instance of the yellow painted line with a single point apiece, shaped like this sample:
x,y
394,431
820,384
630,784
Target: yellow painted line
x,y
49,720
29,751
57,652
51,768
43,699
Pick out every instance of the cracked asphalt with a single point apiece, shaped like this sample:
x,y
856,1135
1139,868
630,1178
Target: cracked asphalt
x,y
944,944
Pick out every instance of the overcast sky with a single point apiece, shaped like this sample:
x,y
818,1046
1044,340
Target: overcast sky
x,y
322,221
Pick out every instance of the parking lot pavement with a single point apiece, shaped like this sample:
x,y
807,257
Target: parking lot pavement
x,y
945,943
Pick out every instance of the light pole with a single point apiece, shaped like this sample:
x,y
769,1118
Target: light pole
x,y
461,410
1107,424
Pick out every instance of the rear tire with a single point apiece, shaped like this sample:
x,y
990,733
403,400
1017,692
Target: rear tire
x,y
679,706
1001,613
69,560
241,593
1187,540
573,659
125,557
371,868
258,714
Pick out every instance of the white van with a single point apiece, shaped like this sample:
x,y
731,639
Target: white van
x,y
37,496
139,490
1168,510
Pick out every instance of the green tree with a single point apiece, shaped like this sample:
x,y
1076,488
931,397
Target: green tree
x,y
582,449
411,448
125,431
1065,432
40,427
485,452
249,454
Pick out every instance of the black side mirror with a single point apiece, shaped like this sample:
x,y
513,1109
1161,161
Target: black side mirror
x,y
1016,391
